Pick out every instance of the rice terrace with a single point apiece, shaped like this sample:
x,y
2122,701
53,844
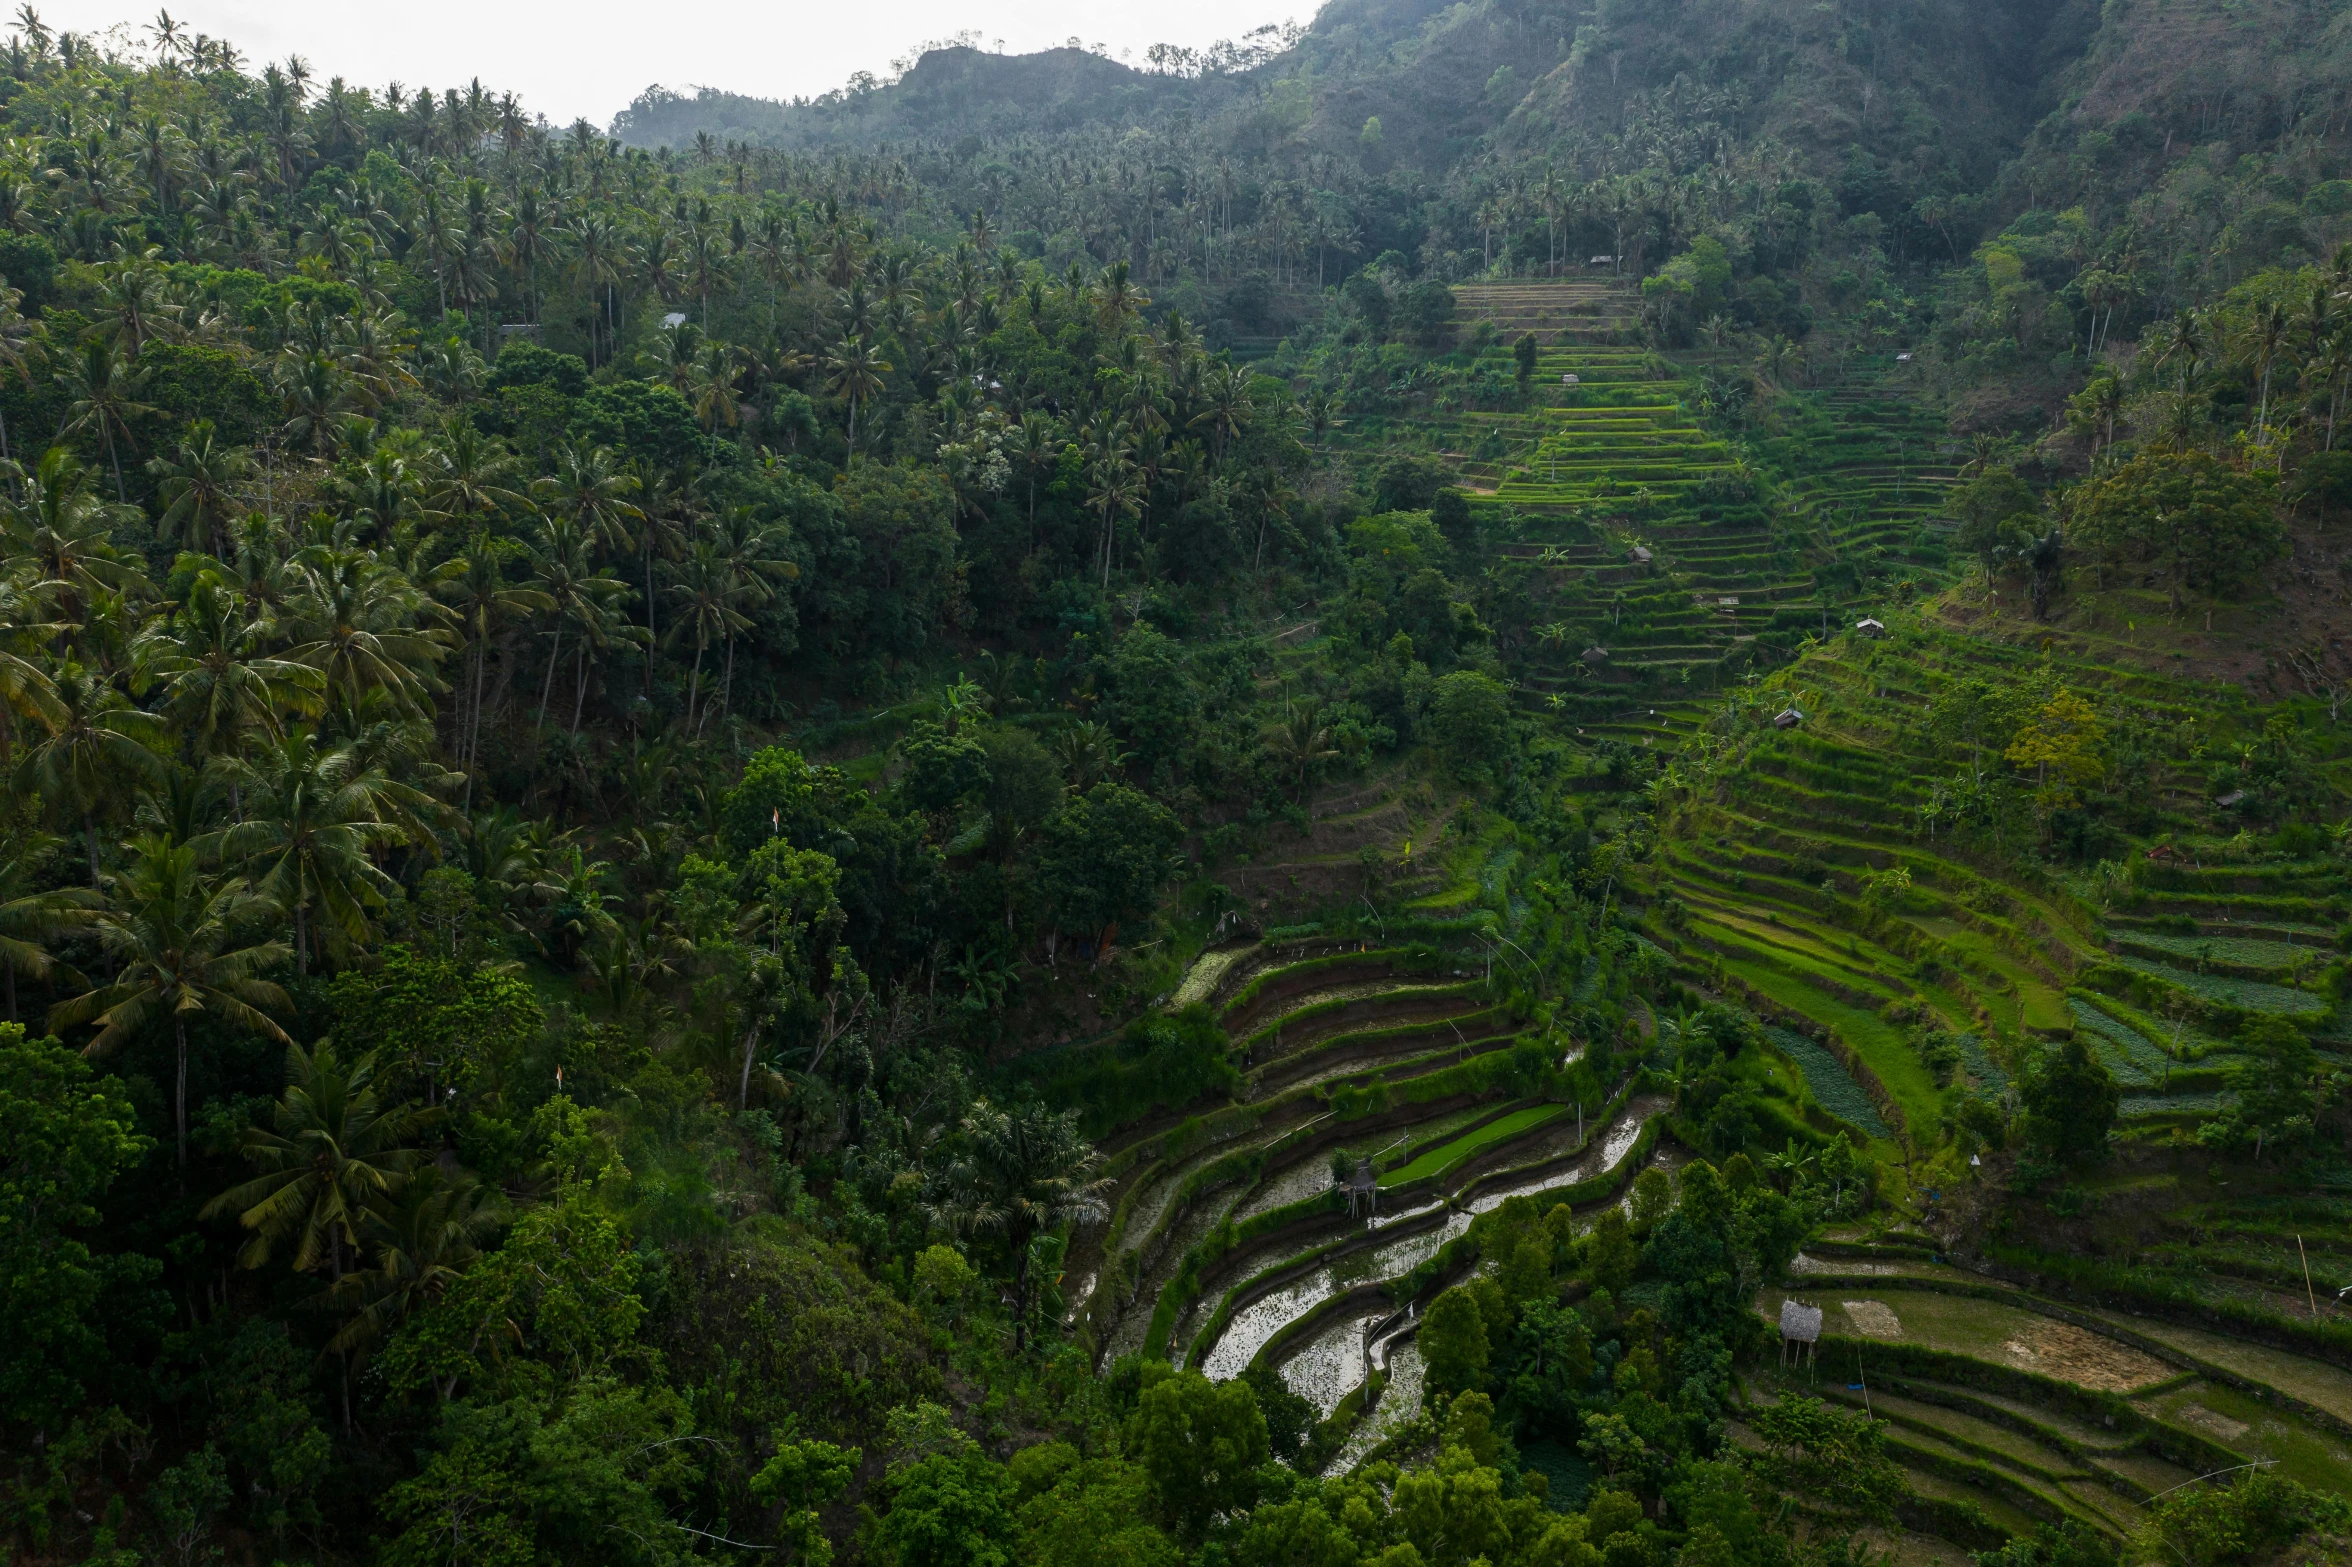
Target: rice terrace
x,y
1513,784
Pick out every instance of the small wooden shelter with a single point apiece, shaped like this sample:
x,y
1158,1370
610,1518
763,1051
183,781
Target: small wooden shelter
x,y
1788,718
1363,1189
1800,1331
1873,629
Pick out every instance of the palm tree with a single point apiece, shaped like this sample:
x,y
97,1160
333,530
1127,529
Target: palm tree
x,y
355,621
26,690
751,548
313,814
580,594
1016,1173
173,929
217,682
333,1149
99,748
486,603
1088,753
1301,742
594,492
31,919
422,1231
711,388
529,228
61,536
854,370
2266,339
196,487
469,476
707,592
1114,491
102,390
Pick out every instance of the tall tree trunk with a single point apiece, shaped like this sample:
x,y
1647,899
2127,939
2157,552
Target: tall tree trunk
x,y
180,1092
474,723
652,631
580,691
90,836
547,686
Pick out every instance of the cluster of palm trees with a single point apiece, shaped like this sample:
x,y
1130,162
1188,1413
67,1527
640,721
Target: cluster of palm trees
x,y
342,1186
264,726
2293,353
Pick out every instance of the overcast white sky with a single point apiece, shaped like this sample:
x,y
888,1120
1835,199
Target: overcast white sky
x,y
590,57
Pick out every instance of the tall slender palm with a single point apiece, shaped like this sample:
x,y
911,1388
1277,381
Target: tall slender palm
x,y
218,683
102,391
487,603
356,621
579,594
313,814
31,919
753,549
334,1147
593,490
197,487
1114,491
174,930
854,372
597,251
529,235
421,1232
707,595
2265,339
99,749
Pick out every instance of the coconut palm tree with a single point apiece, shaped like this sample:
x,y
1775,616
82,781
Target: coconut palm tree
x,y
579,593
1015,1173
217,683
60,537
314,812
197,487
593,491
854,372
333,1149
356,621
98,750
421,1232
486,603
707,596
102,391
31,919
173,929
1301,742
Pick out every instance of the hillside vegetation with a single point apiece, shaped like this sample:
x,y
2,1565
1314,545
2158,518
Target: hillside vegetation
x,y
1523,783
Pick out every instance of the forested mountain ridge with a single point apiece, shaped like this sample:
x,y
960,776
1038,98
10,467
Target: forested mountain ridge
x,y
1093,817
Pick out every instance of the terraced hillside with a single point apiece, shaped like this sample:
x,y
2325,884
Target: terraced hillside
x,y
2009,1409
1230,1241
1663,549
1677,589
1826,873
1580,311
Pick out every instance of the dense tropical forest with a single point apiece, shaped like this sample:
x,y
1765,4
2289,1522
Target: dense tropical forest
x,y
1521,784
